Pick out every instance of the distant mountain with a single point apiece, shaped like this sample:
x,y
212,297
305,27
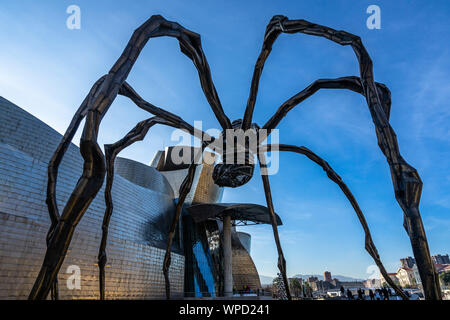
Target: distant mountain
x,y
266,280
320,277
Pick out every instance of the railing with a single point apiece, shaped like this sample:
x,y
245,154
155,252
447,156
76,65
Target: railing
x,y
213,295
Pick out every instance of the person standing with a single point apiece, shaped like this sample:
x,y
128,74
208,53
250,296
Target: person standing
x,y
371,295
349,295
386,294
359,292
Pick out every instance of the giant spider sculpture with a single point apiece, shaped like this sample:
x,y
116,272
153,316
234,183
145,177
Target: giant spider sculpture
x,y
406,181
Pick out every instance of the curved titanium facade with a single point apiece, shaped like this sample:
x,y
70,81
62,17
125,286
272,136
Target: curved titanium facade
x,y
245,274
142,175
143,208
246,240
144,200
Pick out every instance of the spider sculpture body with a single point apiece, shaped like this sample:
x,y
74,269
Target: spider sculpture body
x,y
406,181
237,154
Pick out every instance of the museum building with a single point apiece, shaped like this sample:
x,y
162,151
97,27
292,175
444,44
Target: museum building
x,y
144,198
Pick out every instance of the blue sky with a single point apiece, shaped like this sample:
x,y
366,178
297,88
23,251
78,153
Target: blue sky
x,y
48,69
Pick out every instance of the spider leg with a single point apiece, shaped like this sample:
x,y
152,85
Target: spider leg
x,y
59,153
53,166
190,45
138,133
350,83
54,293
406,180
185,188
128,91
273,220
85,190
332,175
94,107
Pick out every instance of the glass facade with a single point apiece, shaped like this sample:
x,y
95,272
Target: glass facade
x,y
204,276
215,248
200,274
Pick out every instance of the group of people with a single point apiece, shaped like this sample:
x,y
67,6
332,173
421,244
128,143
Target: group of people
x,y
379,294
244,290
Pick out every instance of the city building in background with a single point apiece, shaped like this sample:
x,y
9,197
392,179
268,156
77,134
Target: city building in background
x,y
406,277
417,276
440,259
393,276
312,279
407,262
372,283
332,285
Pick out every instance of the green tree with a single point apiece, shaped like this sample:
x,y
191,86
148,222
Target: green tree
x,y
275,285
307,290
445,277
295,286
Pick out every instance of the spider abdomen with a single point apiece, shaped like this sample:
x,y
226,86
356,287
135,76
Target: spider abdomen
x,y
232,175
238,150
